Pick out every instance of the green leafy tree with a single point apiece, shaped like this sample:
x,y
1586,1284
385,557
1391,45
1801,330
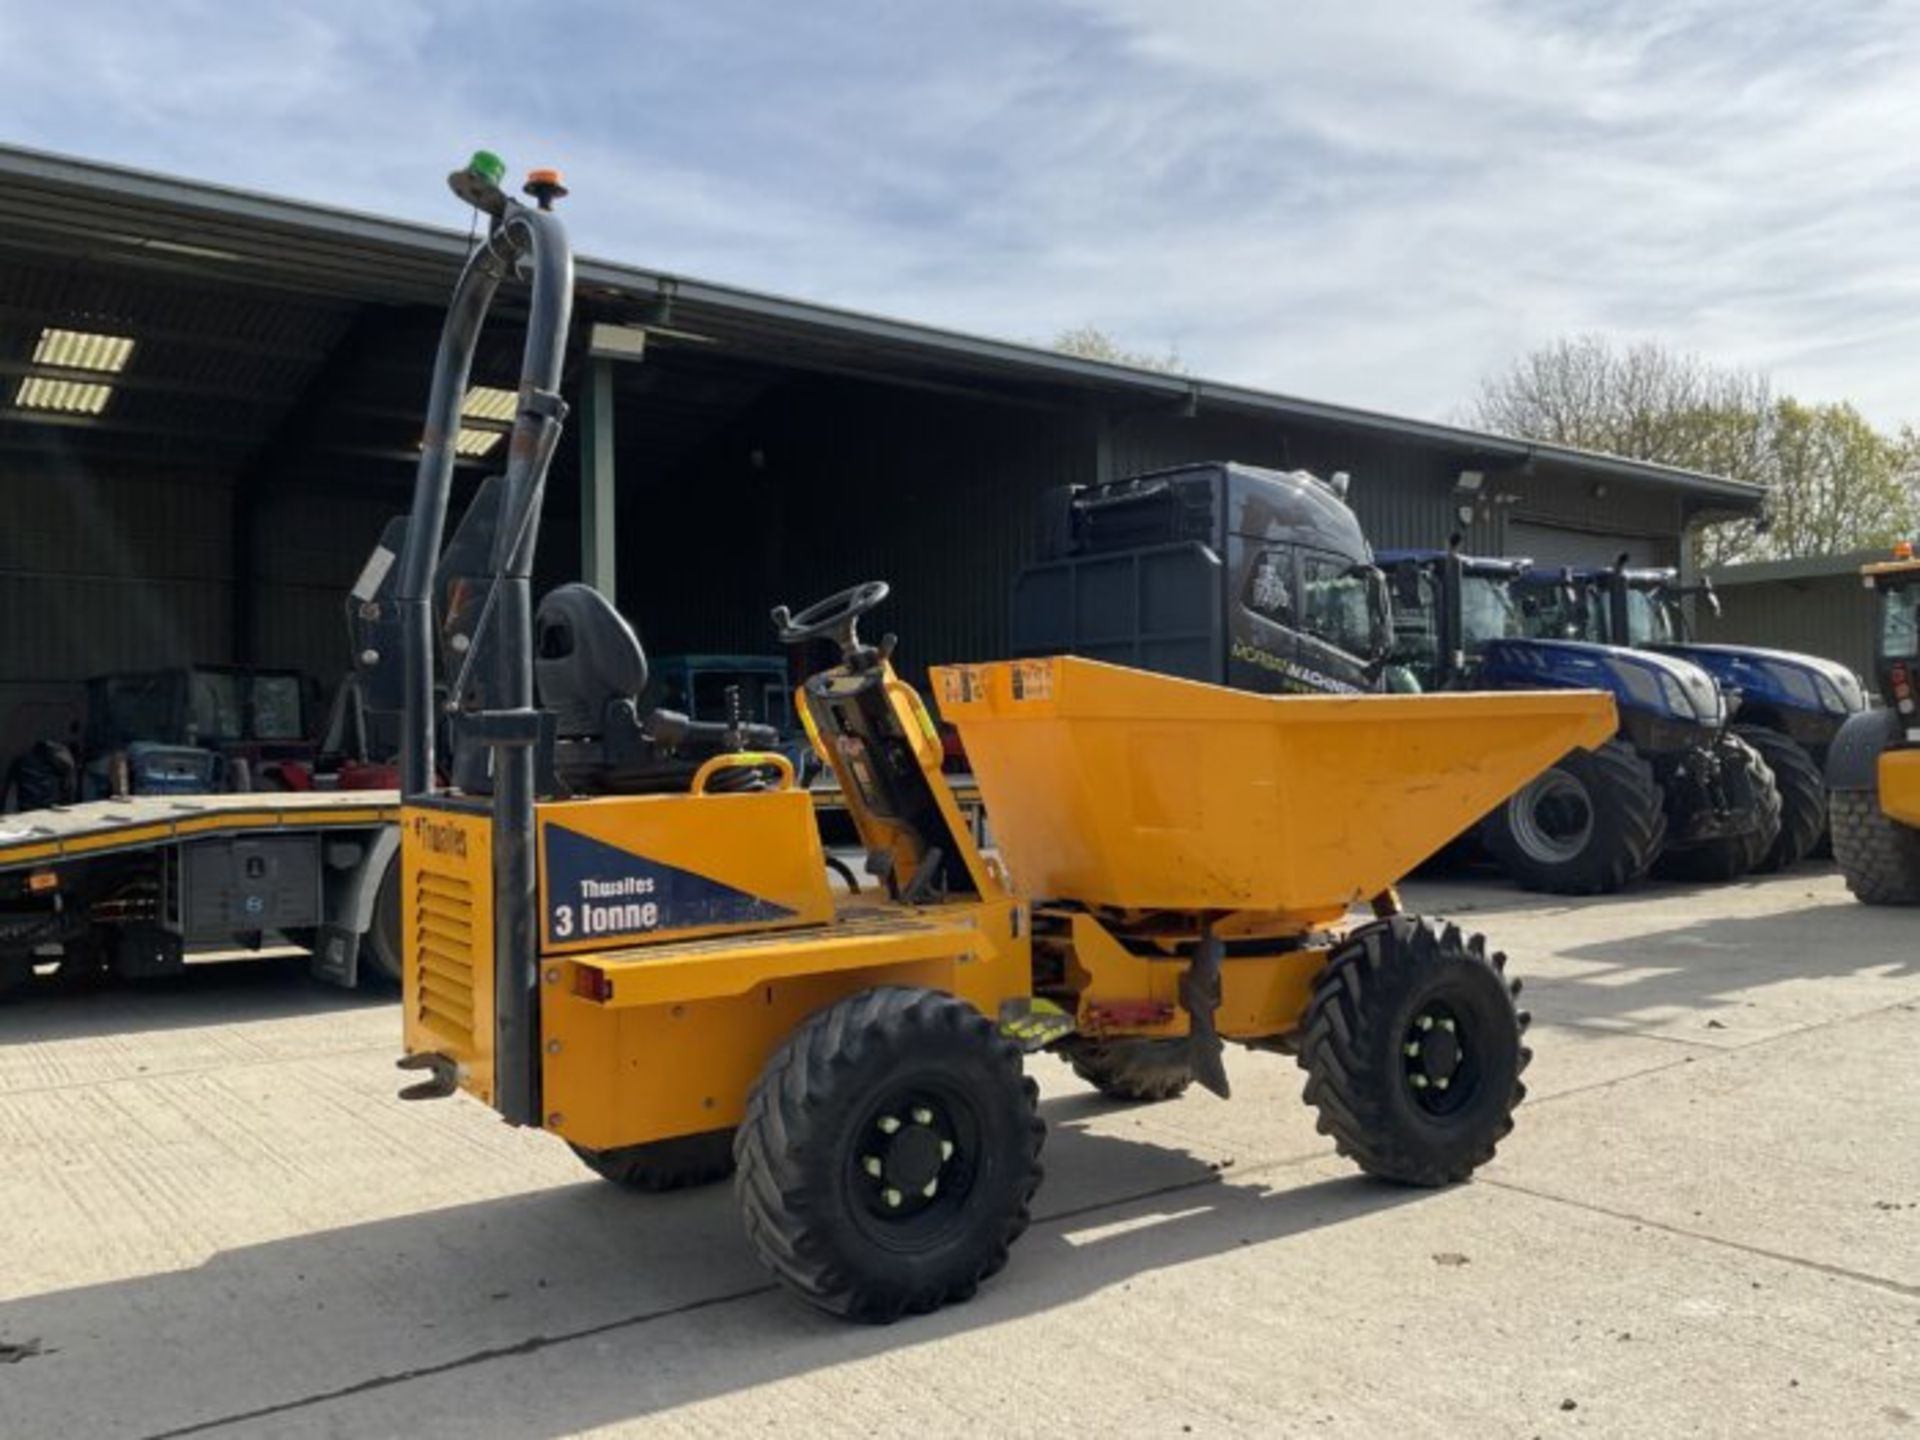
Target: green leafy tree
x,y
1834,482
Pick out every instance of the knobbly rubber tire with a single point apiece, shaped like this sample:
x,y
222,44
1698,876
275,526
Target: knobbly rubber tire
x,y
811,1116
1878,856
1136,1069
1728,857
1378,982
1629,825
384,945
677,1164
1803,797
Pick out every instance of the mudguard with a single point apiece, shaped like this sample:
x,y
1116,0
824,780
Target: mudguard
x,y
1853,760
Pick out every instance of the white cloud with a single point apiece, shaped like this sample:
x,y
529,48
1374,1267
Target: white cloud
x,y
1372,202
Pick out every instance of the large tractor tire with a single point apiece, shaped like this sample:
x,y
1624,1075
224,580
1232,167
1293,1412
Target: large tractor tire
x,y
384,946
1589,826
1132,1069
889,1154
1803,796
677,1164
1878,856
1413,1051
1754,793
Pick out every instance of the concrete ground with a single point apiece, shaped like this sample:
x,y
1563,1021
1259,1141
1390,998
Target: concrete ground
x,y
219,1221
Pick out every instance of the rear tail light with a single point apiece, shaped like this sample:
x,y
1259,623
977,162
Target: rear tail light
x,y
590,982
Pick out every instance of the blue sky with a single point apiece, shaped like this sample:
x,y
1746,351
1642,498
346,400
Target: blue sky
x,y
1374,201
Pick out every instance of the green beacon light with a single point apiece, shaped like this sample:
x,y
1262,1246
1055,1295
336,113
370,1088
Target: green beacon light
x,y
479,183
488,166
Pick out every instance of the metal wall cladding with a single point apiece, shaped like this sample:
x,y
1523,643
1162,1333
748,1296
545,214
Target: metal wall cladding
x,y
822,485
1601,508
1831,616
103,571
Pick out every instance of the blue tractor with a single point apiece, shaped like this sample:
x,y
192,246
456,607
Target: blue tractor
x,y
1787,706
1675,792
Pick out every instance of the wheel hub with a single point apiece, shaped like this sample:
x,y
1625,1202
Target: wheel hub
x,y
1552,818
905,1160
1435,1052
913,1158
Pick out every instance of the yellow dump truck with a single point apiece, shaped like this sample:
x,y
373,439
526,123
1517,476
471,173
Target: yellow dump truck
x,y
671,984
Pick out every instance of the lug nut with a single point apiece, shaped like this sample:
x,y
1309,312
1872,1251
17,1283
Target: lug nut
x,y
1419,1082
1440,1082
892,1196
888,1124
871,1164
922,1115
946,1150
1425,1022
1447,1025
1411,1048
933,1187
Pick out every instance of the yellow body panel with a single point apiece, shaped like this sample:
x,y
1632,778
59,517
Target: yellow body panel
x,y
1123,991
1900,785
1116,787
446,919
641,868
685,1029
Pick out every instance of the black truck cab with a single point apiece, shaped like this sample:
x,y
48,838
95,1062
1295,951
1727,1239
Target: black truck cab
x,y
1227,573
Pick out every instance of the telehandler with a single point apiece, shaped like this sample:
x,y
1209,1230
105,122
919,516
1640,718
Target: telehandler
x,y
1873,766
669,982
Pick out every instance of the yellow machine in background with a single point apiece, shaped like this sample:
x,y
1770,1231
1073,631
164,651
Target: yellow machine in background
x,y
655,967
1873,765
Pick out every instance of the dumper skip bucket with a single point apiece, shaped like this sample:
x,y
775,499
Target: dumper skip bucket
x,y
1116,787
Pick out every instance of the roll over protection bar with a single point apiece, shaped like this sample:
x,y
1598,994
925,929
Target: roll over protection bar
x,y
532,240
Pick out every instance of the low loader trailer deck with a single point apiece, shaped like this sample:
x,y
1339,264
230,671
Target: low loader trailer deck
x,y
134,884
137,884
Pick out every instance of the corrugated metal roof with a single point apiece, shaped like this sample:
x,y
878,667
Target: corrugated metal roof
x,y
87,211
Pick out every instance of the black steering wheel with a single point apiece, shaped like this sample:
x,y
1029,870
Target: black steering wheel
x,y
837,617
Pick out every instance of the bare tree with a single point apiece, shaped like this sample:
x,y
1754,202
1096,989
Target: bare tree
x,y
1834,482
1091,343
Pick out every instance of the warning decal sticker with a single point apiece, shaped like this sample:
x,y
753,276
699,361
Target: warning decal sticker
x,y
597,891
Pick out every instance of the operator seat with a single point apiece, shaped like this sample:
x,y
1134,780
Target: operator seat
x,y
592,674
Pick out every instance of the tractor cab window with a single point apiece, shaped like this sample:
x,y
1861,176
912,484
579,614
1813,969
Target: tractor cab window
x,y
1487,612
276,708
216,706
1416,619
1648,620
1552,612
131,707
1269,588
1344,605
1900,622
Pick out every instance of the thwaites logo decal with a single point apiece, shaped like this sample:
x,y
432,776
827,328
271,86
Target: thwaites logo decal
x,y
597,891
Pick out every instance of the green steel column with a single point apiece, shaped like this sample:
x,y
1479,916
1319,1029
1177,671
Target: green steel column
x,y
597,566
